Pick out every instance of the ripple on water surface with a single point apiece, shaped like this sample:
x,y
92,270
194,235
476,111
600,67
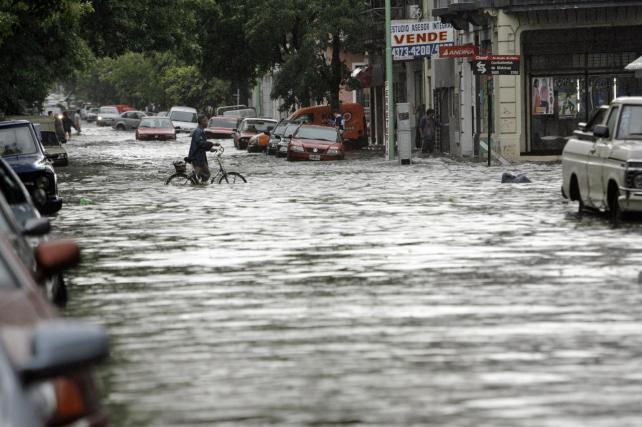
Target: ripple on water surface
x,y
356,292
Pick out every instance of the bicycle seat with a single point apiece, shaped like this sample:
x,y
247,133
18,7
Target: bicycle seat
x,y
187,160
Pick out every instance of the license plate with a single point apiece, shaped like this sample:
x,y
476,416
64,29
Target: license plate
x,y
315,157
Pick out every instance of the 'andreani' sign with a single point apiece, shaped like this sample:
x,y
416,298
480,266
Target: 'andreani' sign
x,y
496,65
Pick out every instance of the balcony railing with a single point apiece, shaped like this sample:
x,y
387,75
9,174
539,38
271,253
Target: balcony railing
x,y
450,7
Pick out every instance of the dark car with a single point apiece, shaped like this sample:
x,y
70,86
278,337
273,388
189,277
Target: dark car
x,y
26,230
312,142
155,128
275,137
20,147
222,126
282,149
249,128
45,363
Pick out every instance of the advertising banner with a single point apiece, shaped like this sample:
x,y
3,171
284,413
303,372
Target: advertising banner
x,y
419,39
542,96
458,51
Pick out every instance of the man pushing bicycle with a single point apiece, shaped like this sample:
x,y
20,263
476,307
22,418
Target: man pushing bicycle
x,y
198,150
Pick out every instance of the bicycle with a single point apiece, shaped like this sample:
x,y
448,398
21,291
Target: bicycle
x,y
181,177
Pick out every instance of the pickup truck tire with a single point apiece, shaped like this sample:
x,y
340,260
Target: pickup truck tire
x,y
575,194
613,202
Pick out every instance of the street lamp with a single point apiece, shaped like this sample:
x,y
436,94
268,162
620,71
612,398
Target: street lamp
x,y
389,81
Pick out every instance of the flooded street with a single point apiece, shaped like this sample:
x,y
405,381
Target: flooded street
x,y
358,292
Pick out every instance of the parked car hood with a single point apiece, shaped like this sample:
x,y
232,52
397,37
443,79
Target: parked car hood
x,y
26,163
246,134
314,143
629,149
219,129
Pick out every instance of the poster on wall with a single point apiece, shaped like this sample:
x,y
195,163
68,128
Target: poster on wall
x,y
567,104
542,96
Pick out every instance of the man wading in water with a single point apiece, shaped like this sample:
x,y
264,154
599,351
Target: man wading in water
x,y
198,150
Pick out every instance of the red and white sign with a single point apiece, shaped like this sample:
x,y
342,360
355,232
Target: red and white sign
x,y
419,39
461,51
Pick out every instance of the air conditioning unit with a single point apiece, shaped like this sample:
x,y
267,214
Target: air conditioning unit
x,y
414,11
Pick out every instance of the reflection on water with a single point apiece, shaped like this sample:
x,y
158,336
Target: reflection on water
x,y
357,292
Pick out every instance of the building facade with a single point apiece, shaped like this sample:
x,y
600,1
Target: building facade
x,y
573,58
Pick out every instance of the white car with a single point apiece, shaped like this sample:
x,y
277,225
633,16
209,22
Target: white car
x,y
184,119
606,173
107,116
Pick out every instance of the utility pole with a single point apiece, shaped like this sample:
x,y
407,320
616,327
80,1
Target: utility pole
x,y
389,81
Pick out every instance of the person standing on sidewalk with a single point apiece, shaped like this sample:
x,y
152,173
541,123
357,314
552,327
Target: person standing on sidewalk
x,y
427,130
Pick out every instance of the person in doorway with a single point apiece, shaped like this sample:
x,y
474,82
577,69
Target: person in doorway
x,y
59,128
198,150
77,121
427,130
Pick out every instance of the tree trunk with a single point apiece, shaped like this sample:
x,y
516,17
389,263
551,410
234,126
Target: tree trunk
x,y
336,73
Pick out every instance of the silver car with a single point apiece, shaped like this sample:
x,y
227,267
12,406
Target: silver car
x,y
107,116
129,120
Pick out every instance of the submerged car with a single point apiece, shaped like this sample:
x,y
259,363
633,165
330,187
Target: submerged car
x,y
275,137
155,128
250,127
284,142
20,147
184,119
129,120
92,114
312,142
606,173
107,115
222,126
46,364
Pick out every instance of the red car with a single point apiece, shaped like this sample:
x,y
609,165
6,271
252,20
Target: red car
x,y
222,126
250,127
312,142
155,128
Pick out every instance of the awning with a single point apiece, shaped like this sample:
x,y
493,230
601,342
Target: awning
x,y
635,66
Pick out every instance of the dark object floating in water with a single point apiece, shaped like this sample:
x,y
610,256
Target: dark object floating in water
x,y
509,178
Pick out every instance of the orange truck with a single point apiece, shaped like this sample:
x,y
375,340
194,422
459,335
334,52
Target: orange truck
x,y
355,135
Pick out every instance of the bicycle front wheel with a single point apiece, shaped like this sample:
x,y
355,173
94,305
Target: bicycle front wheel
x,y
179,179
232,178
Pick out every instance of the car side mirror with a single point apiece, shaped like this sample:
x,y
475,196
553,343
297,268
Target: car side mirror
x,y
601,131
57,255
36,227
234,130
63,347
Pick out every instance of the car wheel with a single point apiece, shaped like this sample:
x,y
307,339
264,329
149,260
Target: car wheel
x,y
614,209
120,127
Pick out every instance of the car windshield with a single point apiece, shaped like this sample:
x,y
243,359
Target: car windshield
x,y
183,116
152,122
323,134
290,129
218,122
49,139
279,130
109,110
257,125
16,140
630,122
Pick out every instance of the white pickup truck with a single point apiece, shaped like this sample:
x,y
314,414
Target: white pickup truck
x,y
605,172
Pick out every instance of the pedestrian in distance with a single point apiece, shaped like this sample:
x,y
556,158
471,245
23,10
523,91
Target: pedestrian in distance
x,y
59,128
427,130
340,123
77,121
67,124
198,150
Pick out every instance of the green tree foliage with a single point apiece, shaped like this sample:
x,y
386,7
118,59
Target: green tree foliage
x,y
39,43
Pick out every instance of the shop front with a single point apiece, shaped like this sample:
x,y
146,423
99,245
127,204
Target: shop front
x,y
570,73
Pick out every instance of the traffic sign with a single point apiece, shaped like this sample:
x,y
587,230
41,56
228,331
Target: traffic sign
x,y
496,65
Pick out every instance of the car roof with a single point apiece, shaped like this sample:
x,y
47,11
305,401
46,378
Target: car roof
x,y
259,119
179,108
635,100
10,123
